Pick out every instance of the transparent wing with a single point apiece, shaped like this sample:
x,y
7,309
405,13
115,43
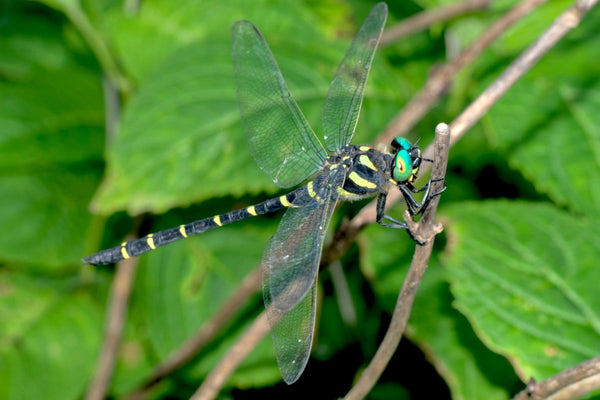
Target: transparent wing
x,y
290,266
291,259
292,334
342,105
280,139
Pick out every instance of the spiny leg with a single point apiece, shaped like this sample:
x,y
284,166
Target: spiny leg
x,y
414,207
392,222
382,217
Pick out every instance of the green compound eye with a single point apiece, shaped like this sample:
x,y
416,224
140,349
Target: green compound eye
x,y
403,169
402,143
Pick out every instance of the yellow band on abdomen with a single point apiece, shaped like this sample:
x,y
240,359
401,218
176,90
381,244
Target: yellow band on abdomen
x,y
182,231
124,251
150,241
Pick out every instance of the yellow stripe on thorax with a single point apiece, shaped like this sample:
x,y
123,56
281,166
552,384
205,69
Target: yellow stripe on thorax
x,y
217,220
360,181
182,231
366,161
343,192
150,241
124,251
365,148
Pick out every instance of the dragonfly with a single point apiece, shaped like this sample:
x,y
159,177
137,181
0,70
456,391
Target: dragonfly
x,y
287,149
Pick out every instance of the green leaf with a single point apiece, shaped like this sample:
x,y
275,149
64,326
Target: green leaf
x,y
28,43
50,153
564,159
169,26
526,277
176,142
44,321
48,223
547,124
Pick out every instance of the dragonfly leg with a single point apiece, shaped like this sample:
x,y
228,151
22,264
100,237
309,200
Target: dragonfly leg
x,y
386,220
414,207
389,222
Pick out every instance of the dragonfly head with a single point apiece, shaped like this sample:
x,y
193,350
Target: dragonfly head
x,y
407,158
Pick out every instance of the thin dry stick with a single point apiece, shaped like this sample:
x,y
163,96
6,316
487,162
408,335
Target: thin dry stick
x,y
117,313
437,84
427,18
568,20
203,336
568,384
247,342
425,229
123,280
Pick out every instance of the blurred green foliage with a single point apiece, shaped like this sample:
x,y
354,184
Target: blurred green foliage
x,y
511,292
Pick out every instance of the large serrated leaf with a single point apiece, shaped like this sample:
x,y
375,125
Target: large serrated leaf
x,y
170,25
547,124
51,126
563,158
526,276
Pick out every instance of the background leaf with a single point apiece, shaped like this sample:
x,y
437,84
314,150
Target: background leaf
x,y
49,318
525,276
51,143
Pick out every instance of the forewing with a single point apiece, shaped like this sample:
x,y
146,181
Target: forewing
x,y
280,139
291,259
292,334
345,95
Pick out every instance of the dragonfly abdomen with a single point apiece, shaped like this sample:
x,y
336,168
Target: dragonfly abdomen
x,y
151,241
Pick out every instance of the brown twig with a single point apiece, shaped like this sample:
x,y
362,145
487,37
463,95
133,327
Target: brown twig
x,y
425,229
566,21
247,342
568,384
115,320
437,84
123,280
427,18
185,352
